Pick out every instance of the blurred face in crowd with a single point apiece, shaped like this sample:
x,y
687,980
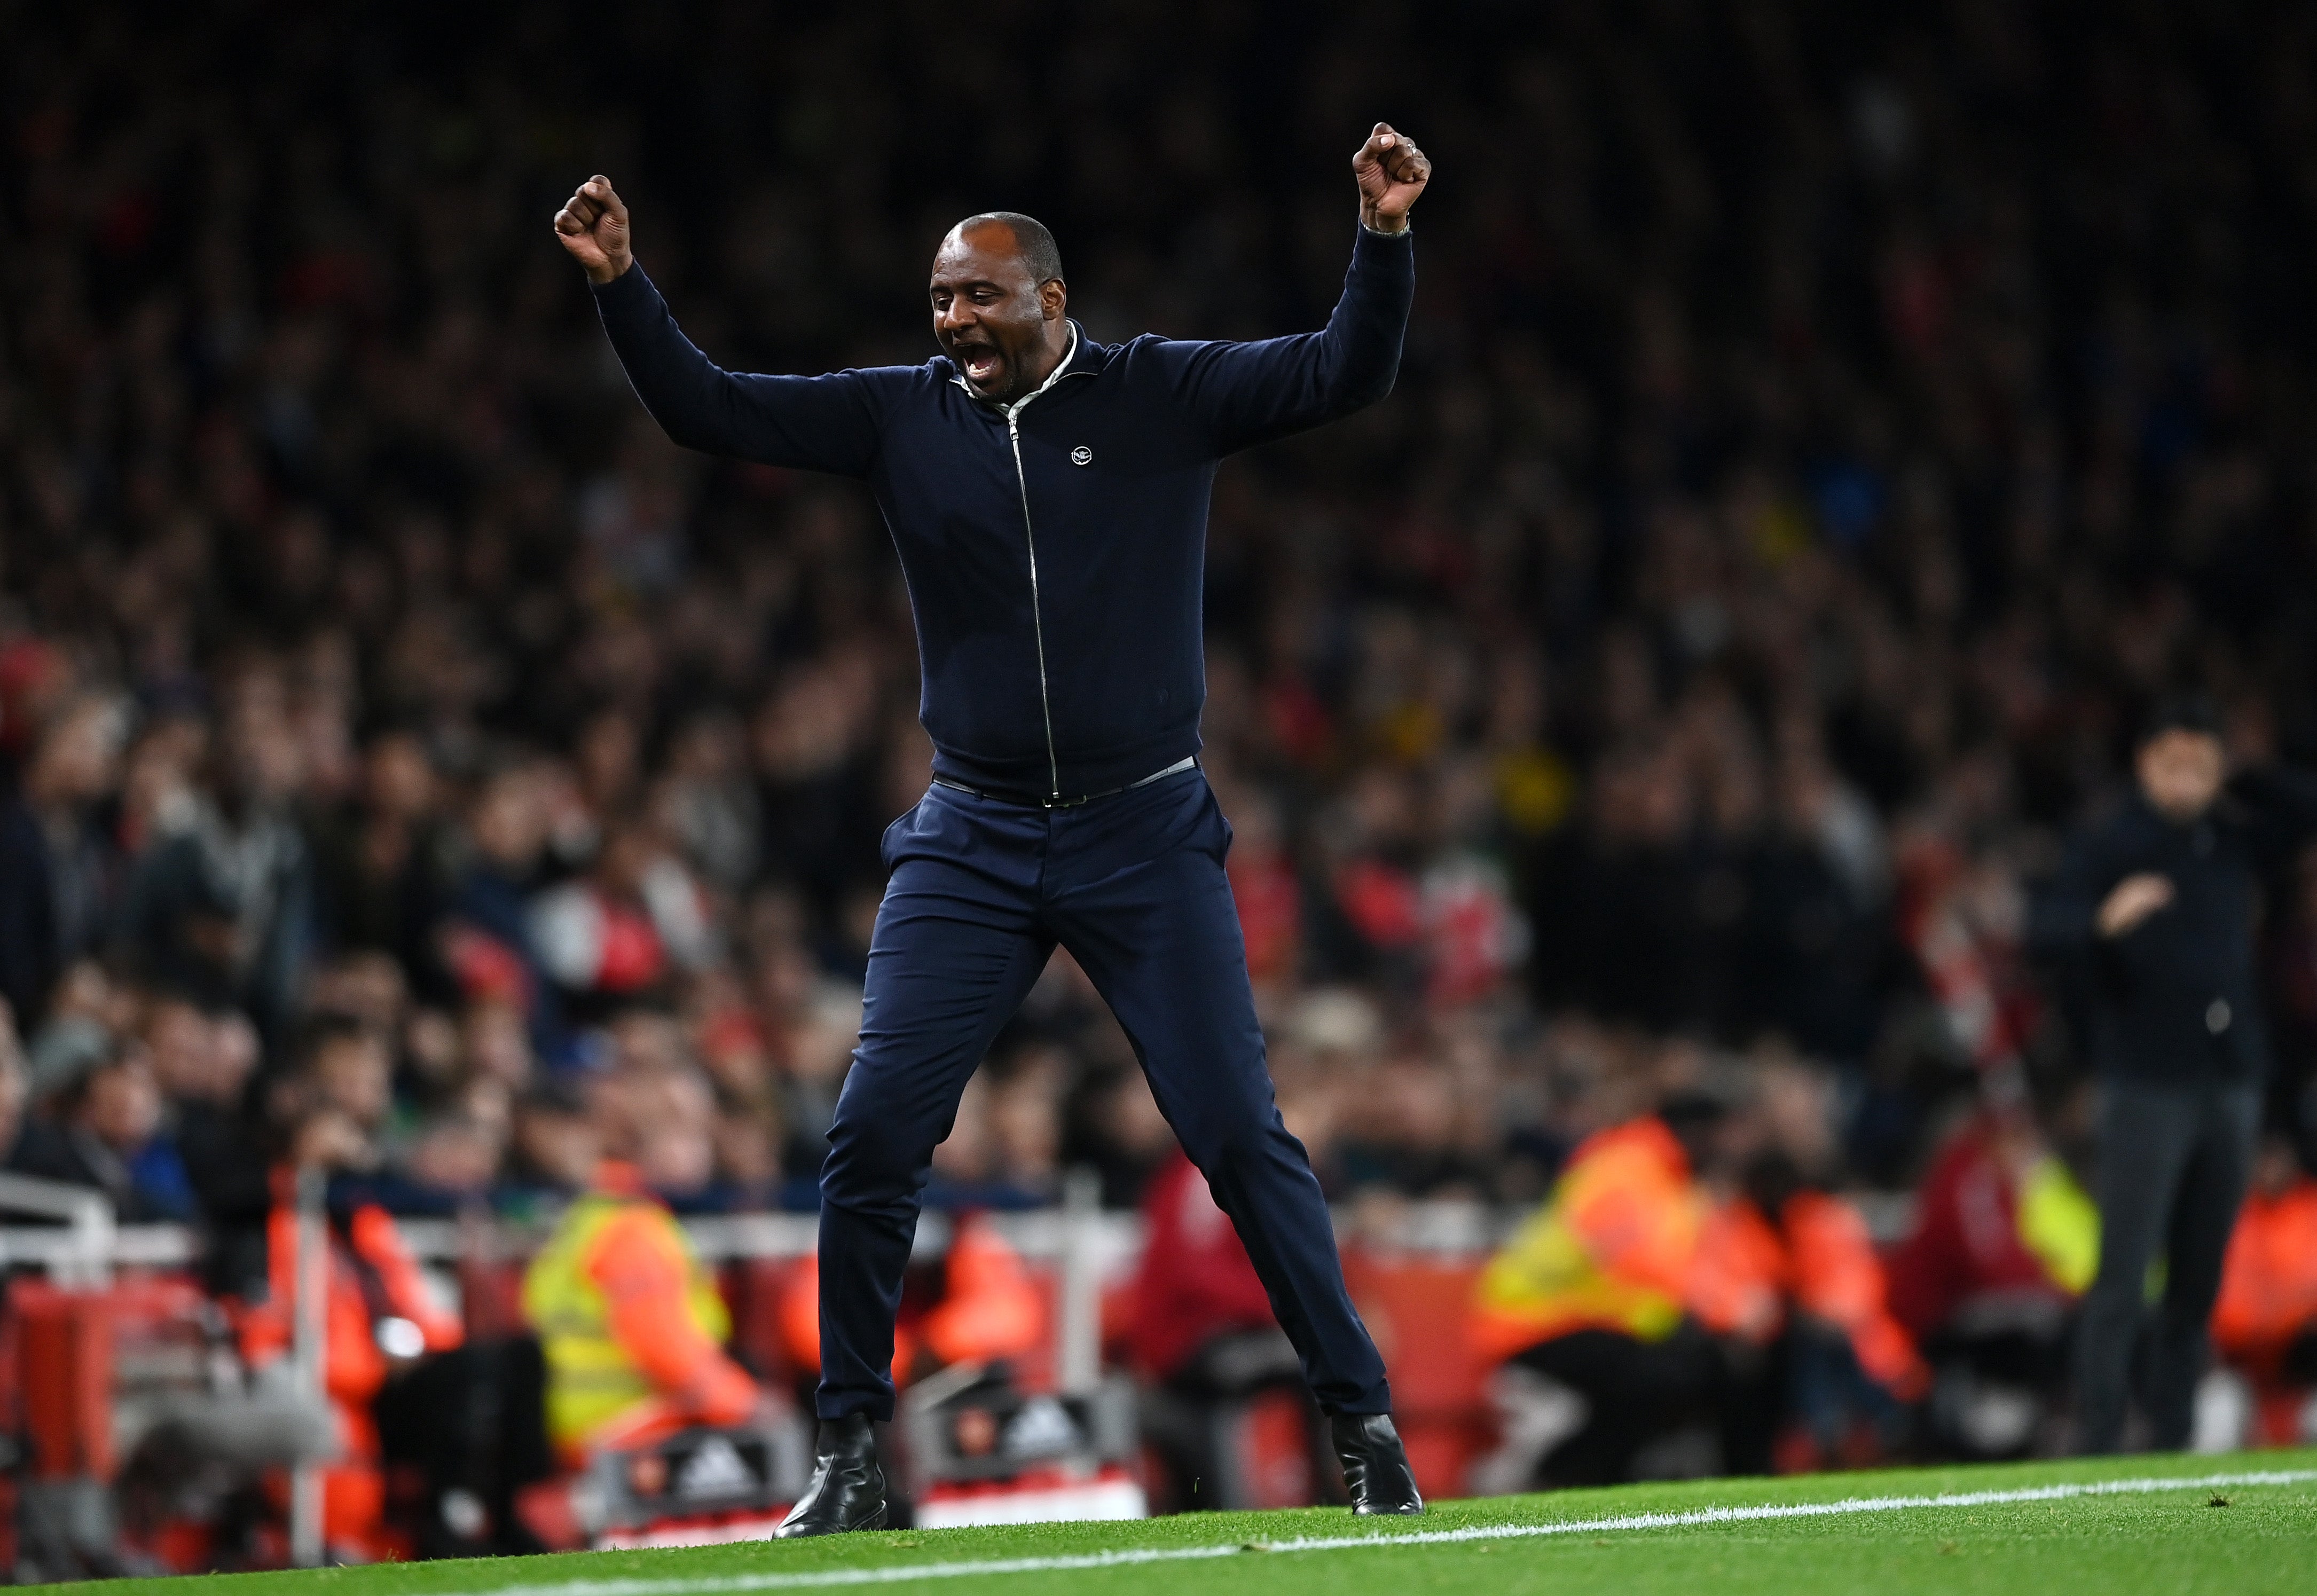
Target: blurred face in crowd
x,y
398,777
677,1158
1026,1127
12,1082
354,1076
497,1043
648,1046
822,1050
157,774
121,1105
455,1154
990,315
180,1037
747,1149
80,757
365,987
2180,772
262,760
610,759
628,856
1414,1103
671,1114
562,1146
509,822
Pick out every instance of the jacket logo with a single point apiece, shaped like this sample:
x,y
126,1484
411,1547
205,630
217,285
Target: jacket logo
x,y
1082,456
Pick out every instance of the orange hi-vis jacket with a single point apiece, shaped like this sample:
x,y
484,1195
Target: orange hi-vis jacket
x,y
990,1307
1613,1248
1738,1281
2268,1280
1628,1242
1818,1260
631,1323
372,1276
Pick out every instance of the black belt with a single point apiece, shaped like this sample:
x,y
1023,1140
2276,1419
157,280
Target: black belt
x,y
1187,762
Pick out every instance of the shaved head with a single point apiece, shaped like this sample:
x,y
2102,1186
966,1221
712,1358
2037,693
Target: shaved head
x,y
1033,244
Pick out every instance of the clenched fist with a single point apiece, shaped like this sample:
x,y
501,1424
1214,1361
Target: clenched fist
x,y
1391,171
593,227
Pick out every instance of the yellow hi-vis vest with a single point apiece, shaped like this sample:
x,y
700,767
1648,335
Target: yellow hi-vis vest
x,y
590,1376
1629,1186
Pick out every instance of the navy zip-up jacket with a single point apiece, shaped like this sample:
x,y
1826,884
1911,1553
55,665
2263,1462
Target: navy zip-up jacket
x,y
1054,549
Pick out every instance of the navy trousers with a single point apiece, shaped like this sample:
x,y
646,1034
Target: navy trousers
x,y
1133,885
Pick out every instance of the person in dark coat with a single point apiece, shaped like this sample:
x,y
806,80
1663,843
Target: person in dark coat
x,y
2155,907
57,868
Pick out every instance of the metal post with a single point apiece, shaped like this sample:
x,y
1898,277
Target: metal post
x,y
94,1228
310,1356
1078,1349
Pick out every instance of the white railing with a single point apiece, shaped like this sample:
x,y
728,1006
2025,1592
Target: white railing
x,y
91,1241
1089,1244
90,1238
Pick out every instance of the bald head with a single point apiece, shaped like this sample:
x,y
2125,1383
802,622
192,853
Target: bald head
x,y
1032,246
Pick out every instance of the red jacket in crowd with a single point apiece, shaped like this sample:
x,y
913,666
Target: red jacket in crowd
x,y
1195,1281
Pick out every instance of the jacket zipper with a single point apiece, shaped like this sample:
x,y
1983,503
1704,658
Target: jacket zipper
x,y
1030,537
1037,619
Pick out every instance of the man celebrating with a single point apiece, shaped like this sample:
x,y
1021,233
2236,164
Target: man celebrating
x,y
1048,495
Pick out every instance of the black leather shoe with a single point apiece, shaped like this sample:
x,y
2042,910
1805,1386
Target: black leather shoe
x,y
1375,1465
848,1489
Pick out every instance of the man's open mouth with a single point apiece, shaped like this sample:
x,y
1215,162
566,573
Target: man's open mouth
x,y
978,361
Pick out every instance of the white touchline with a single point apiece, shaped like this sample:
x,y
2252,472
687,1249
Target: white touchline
x,y
1426,1538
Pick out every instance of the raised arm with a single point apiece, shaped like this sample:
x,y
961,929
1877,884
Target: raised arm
x,y
1249,393
817,423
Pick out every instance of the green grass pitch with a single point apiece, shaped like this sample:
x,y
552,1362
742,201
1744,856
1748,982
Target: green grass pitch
x,y
2243,1525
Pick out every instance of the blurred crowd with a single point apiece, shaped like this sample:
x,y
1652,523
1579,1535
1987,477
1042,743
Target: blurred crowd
x,y
1820,435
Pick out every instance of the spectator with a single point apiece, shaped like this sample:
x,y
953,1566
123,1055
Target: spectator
x,y
58,871
105,1133
627,929
378,1316
205,1065
219,902
2004,1243
553,1151
1851,1370
629,1321
380,863
1600,1304
348,1069
1200,1334
2265,1320
486,939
